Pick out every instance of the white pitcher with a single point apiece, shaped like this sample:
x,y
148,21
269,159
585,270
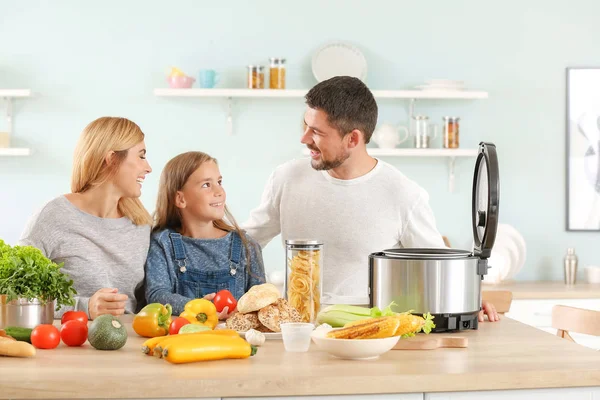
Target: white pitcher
x,y
387,136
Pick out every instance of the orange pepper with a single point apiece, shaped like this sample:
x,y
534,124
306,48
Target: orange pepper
x,y
153,320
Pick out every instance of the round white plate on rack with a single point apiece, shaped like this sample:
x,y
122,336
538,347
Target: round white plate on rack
x,y
339,59
519,247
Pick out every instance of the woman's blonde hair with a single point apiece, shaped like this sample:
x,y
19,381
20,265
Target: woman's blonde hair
x,y
174,176
90,169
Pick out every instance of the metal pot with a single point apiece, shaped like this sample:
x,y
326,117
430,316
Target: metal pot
x,y
25,313
443,282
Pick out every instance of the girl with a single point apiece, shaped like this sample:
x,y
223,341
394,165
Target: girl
x,y
197,248
101,230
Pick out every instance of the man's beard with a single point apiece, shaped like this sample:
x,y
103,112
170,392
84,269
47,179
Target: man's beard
x,y
325,165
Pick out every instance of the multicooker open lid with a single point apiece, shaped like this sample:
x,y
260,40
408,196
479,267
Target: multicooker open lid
x,y
486,195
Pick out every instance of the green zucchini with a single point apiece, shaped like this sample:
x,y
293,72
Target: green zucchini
x,y
21,334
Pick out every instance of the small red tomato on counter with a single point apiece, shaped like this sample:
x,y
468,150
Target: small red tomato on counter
x,y
77,315
223,299
74,333
45,336
177,324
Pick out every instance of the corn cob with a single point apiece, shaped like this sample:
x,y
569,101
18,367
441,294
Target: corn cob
x,y
372,329
411,324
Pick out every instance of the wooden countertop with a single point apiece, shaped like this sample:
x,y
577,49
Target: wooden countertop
x,y
547,290
501,355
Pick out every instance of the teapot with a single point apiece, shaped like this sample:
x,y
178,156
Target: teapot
x,y
387,136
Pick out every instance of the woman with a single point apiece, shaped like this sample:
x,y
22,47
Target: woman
x,y
101,230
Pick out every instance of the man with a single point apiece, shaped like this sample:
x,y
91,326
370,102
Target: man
x,y
354,203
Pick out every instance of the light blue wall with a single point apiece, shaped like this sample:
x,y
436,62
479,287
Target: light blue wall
x,y
89,59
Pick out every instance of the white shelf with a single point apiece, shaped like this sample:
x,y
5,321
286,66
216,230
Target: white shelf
x,y
15,92
297,93
15,151
417,152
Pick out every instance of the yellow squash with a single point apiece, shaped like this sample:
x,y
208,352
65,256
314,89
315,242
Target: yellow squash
x,y
207,348
158,347
201,311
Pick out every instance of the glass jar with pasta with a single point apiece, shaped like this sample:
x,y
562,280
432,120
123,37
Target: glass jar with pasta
x,y
304,273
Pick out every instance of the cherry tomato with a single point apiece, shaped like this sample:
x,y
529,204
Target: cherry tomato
x,y
45,336
176,325
74,332
71,315
223,299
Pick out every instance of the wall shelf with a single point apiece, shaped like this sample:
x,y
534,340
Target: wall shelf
x,y
230,94
450,153
15,151
297,93
8,95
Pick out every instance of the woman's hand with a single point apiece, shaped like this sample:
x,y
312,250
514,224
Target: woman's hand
x,y
224,314
490,310
106,301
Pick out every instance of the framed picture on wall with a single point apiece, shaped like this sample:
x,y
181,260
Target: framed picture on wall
x,y
583,152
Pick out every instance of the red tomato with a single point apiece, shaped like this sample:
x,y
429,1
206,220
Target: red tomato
x,y
74,333
71,315
45,336
176,325
223,299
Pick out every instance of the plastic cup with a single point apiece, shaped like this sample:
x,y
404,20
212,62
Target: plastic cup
x,y
296,336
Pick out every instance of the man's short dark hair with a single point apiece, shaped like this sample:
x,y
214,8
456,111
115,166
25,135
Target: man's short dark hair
x,y
348,103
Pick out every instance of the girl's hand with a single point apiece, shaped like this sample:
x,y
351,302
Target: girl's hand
x,y
224,314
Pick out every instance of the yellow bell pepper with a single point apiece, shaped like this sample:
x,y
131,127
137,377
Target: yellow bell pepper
x,y
201,311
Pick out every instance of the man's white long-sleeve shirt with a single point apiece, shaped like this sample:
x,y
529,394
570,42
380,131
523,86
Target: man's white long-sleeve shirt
x,y
354,218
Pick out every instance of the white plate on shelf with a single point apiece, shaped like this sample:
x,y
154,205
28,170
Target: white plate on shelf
x,y
339,59
518,246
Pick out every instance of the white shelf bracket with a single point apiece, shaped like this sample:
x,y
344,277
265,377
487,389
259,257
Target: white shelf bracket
x,y
451,164
411,109
230,116
9,114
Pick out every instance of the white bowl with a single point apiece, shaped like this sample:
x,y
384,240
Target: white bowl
x,y
353,349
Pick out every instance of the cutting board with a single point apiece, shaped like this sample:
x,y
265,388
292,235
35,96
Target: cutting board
x,y
430,343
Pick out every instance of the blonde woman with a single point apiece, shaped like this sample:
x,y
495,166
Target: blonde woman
x,y
101,230
197,248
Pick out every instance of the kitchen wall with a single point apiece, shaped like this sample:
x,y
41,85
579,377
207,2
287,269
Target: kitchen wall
x,y
89,59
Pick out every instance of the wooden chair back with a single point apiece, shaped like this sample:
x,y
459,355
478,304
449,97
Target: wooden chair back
x,y
501,299
570,319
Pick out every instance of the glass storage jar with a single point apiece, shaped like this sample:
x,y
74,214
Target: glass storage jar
x,y
256,77
451,132
303,277
277,73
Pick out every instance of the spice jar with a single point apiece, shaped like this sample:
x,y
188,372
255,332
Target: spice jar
x,y
256,77
277,73
304,273
451,132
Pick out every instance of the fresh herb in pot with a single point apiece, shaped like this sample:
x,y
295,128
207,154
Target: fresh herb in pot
x,y
26,273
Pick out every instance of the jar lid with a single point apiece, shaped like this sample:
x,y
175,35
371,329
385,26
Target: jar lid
x,y
258,67
486,194
451,118
304,242
420,117
277,60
